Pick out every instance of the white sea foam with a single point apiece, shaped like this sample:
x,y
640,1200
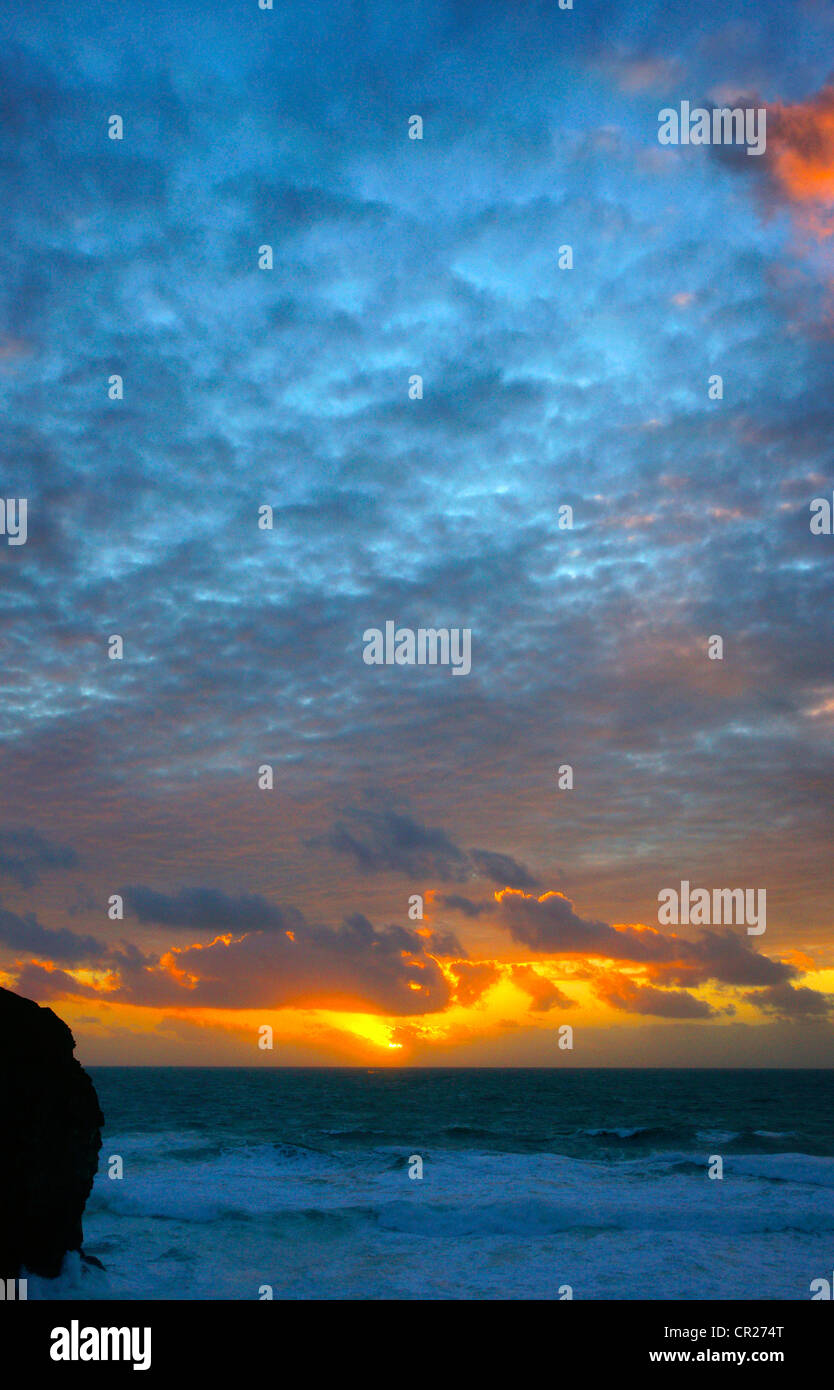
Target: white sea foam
x,y
197,1221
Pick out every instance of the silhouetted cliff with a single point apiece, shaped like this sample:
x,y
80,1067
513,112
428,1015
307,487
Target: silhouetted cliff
x,y
49,1139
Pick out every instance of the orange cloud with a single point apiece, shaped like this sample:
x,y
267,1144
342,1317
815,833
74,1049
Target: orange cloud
x,y
543,994
473,979
628,996
800,155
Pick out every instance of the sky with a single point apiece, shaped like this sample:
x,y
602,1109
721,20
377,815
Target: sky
x,y
543,387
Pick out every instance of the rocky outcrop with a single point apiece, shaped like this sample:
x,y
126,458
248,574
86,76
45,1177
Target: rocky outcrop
x,y
49,1139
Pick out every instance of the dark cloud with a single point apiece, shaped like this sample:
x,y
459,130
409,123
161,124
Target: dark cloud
x,y
36,982
621,993
550,924
381,841
264,956
24,854
27,935
724,956
445,943
788,1001
208,910
389,842
502,869
455,902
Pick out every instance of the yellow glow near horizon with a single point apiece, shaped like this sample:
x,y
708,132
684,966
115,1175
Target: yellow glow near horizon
x,y
108,1029
370,1027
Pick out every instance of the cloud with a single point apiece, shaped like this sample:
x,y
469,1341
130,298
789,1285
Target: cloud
x,y
474,978
266,956
642,71
209,910
724,956
24,853
28,935
625,995
262,954
443,943
387,841
800,159
550,924
788,1001
502,869
456,902
37,982
544,995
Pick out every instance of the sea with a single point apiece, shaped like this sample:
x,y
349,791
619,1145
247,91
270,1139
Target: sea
x,y
249,1183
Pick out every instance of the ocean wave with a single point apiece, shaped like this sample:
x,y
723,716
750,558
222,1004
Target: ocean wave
x,y
363,1134
807,1169
476,1132
268,1180
643,1134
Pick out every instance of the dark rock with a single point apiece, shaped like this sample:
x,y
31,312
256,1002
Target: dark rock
x,y
49,1139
